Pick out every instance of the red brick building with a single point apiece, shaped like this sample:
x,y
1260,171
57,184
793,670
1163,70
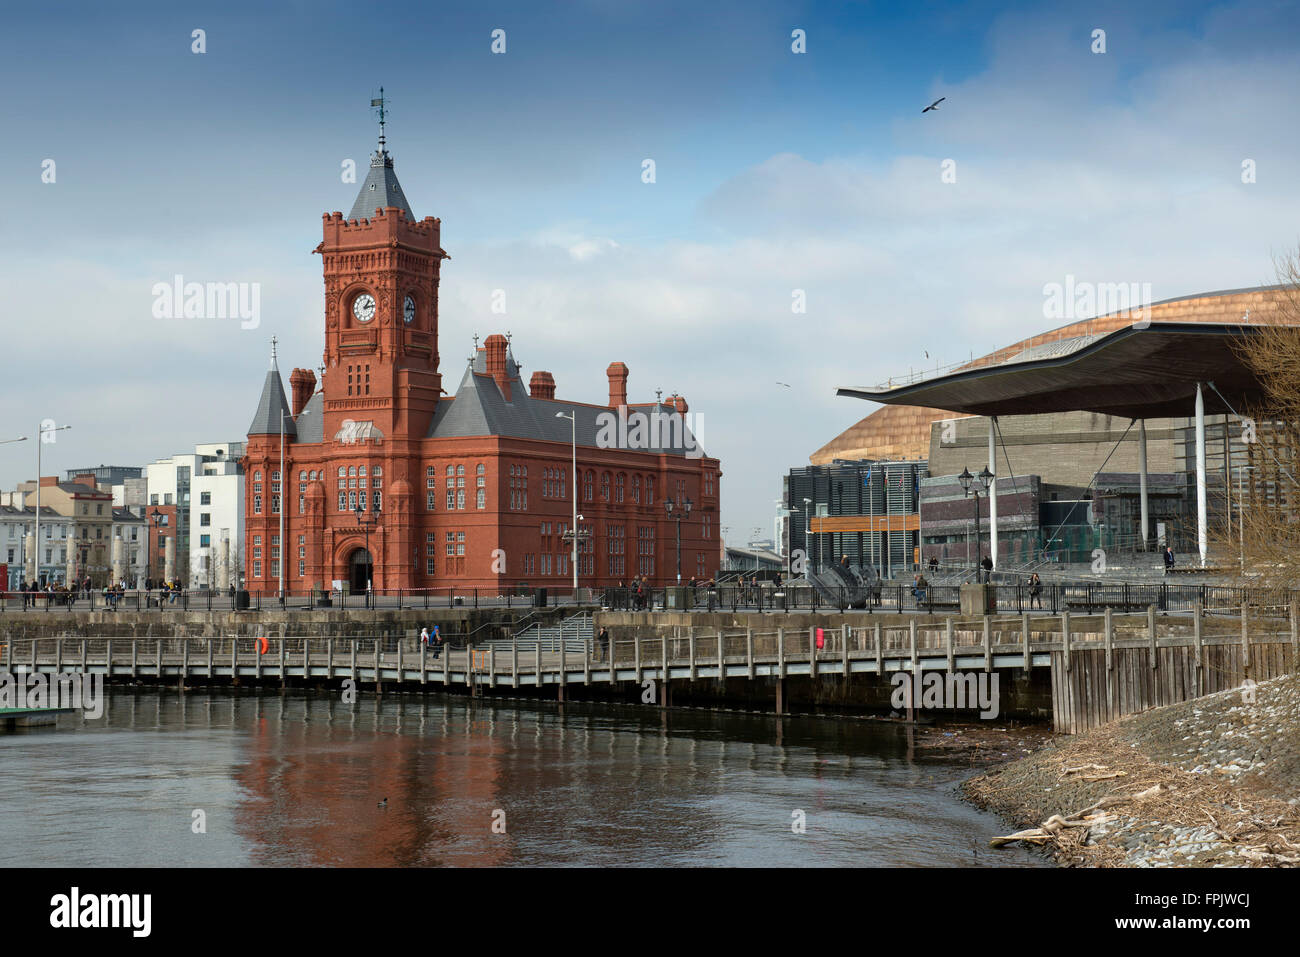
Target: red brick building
x,y
473,489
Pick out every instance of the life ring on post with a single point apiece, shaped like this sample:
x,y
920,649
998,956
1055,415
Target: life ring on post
x,y
262,644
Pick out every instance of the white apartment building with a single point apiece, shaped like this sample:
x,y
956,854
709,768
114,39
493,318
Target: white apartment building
x,y
207,488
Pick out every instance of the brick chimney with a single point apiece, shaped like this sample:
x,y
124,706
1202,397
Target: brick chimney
x,y
495,346
617,373
679,403
541,386
84,478
303,383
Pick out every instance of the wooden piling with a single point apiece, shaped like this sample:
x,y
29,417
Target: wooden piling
x,y
1245,643
812,652
663,669
1151,631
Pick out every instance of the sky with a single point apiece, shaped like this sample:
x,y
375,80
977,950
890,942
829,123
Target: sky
x,y
778,175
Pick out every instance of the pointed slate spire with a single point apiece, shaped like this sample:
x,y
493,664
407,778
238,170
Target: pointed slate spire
x,y
381,187
272,405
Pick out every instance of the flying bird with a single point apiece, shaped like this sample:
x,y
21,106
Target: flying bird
x,y
927,355
934,105
786,384
384,803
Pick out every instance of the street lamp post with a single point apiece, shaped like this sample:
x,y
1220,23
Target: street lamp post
x,y
807,530
1241,517
21,438
157,526
366,524
969,487
573,553
41,432
670,506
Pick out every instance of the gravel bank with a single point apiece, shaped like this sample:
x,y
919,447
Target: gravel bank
x,y
1213,782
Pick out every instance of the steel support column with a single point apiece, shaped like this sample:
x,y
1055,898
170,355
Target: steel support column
x,y
1202,535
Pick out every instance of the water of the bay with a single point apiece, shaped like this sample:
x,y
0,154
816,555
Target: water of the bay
x,y
296,780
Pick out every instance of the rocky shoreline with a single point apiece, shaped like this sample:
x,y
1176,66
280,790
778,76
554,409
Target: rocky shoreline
x,y
1212,782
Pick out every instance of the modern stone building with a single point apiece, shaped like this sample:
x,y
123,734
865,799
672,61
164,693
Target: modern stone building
x,y
195,516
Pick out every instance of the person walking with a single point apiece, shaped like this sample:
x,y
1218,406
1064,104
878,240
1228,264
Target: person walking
x,y
424,637
436,641
987,565
1169,559
604,643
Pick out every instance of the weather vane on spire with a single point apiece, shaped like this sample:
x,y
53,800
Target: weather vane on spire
x,y
273,342
381,104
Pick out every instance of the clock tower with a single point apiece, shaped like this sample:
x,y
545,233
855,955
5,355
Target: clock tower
x,y
381,270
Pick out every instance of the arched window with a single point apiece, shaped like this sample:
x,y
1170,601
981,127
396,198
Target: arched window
x,y
604,486
587,480
649,490
619,482
636,489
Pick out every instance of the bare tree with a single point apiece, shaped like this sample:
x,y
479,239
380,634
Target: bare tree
x,y
1261,542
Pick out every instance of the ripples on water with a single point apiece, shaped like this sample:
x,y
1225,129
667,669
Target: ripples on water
x,y
295,780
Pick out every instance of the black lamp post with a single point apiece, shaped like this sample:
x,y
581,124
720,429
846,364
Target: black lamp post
x,y
366,524
157,536
969,487
684,512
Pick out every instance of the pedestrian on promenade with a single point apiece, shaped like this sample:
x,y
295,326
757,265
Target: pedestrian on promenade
x,y
1035,591
604,643
987,565
436,641
424,637
1169,559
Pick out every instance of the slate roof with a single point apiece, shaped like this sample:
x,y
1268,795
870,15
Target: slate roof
x,y
311,420
14,513
479,408
380,189
266,420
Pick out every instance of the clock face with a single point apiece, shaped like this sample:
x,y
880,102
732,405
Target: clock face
x,y
408,310
363,307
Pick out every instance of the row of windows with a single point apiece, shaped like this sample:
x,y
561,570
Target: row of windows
x,y
360,370
613,488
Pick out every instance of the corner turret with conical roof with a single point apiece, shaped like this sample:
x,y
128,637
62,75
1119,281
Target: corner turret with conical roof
x,y
272,408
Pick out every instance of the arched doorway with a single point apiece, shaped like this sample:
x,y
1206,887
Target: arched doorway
x,y
360,570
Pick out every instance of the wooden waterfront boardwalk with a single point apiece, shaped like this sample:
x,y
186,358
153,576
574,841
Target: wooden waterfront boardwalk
x,y
1097,672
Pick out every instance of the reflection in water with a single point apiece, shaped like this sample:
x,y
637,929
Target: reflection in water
x,y
296,780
